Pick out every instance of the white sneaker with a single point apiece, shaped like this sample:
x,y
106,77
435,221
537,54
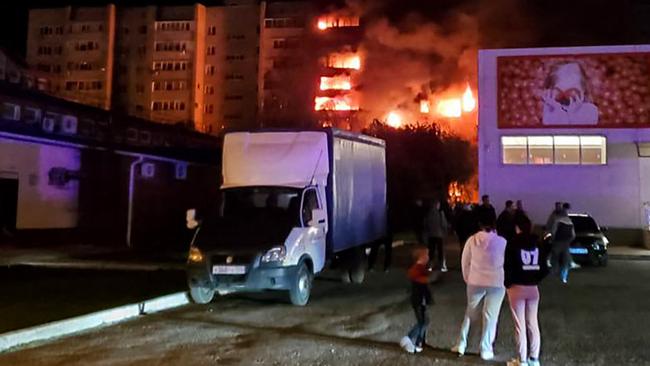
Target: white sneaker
x,y
444,268
575,265
458,349
407,344
487,355
532,362
516,362
418,349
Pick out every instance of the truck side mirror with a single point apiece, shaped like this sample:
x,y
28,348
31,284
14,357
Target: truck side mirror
x,y
318,217
190,219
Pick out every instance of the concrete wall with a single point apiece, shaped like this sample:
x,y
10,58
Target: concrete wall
x,y
41,205
613,193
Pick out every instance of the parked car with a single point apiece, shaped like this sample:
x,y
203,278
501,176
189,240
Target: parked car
x,y
590,244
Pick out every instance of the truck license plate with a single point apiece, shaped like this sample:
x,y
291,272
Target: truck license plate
x,y
578,251
231,270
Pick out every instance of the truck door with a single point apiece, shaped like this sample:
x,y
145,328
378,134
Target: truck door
x,y
314,217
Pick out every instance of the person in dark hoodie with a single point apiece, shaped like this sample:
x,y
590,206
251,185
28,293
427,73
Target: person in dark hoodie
x,y
524,268
506,221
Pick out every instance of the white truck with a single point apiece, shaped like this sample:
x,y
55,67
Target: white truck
x,y
292,202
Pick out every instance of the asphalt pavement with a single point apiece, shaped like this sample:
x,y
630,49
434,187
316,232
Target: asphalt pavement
x,y
600,318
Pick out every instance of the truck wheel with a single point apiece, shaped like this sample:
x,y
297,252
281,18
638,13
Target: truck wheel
x,y
301,286
201,295
355,271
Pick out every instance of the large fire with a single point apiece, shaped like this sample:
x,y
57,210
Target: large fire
x,y
327,22
394,120
339,103
455,107
346,60
424,107
469,103
339,82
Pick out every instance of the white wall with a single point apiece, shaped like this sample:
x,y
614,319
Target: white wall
x,y
612,193
40,205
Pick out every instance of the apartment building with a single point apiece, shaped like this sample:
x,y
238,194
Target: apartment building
x,y
241,64
159,63
75,47
286,75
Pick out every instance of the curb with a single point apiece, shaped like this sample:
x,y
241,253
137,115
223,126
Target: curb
x,y
98,319
99,265
629,257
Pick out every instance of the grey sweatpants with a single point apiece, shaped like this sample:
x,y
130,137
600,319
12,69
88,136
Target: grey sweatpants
x,y
492,298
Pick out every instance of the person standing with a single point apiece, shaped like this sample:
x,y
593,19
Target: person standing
x,y
557,212
466,225
524,268
562,234
506,221
420,275
436,228
519,209
486,209
482,266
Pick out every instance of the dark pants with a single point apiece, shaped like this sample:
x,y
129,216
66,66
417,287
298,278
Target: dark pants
x,y
436,246
388,253
561,259
418,333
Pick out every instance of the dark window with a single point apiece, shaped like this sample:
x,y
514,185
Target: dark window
x,y
309,204
142,29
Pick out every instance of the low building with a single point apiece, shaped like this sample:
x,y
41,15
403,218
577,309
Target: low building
x,y
569,125
70,173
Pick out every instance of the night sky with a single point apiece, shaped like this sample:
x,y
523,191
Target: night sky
x,y
556,22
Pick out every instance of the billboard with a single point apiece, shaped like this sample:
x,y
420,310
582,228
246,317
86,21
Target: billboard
x,y
586,90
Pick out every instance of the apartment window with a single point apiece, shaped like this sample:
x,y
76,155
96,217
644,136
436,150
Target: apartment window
x,y
173,26
44,50
234,77
235,58
209,109
209,69
235,37
156,85
168,105
171,65
139,88
211,50
59,30
44,67
209,89
234,97
559,150
142,29
284,23
56,69
212,30
171,46
86,46
46,31
280,43
11,111
142,50
58,50
84,85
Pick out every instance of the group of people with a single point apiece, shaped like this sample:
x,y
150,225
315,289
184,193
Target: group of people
x,y
501,256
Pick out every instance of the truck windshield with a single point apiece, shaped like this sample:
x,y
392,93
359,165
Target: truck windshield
x,y
269,203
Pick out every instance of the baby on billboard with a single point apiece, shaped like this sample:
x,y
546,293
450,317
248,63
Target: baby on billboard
x,y
566,96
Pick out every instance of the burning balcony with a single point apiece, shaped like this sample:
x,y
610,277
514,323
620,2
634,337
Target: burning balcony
x,y
338,82
336,21
344,60
337,103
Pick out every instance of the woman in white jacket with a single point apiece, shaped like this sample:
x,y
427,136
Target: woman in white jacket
x,y
482,264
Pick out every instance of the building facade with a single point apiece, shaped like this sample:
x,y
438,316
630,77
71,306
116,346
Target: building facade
x,y
568,125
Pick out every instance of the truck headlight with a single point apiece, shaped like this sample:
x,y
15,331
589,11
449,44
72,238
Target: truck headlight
x,y
275,254
195,255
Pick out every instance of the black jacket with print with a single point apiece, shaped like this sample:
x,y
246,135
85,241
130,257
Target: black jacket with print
x,y
525,261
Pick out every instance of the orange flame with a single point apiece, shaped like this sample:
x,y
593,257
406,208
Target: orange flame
x,y
424,106
469,103
344,61
337,22
451,108
394,120
339,82
334,104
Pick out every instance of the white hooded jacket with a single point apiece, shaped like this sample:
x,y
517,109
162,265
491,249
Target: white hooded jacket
x,y
482,260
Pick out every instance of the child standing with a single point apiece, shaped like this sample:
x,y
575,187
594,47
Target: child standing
x,y
419,274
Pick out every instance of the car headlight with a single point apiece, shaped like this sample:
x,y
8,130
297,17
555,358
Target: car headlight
x,y
195,255
275,254
605,242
